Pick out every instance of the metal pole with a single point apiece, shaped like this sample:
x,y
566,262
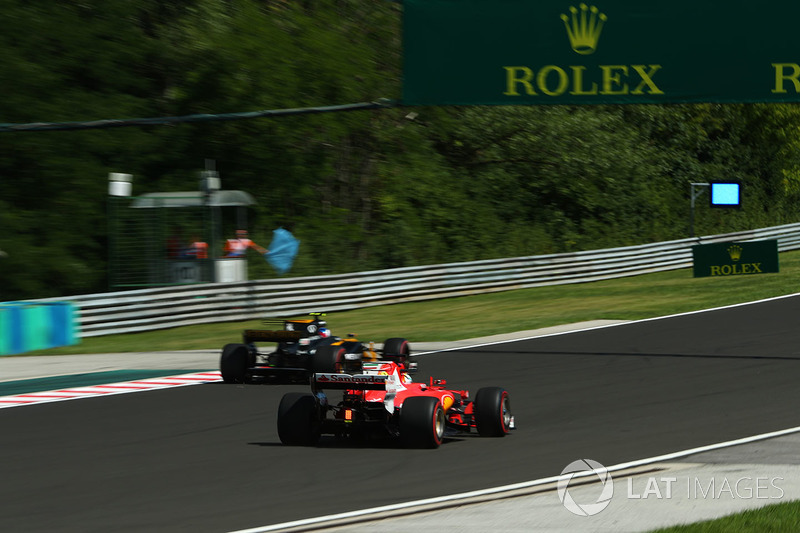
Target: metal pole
x,y
209,183
694,195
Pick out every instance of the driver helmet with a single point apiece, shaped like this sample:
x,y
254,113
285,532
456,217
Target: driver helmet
x,y
323,329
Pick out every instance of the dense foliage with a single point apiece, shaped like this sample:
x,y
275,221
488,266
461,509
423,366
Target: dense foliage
x,y
362,190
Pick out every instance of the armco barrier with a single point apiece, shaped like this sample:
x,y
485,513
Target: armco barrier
x,y
36,325
167,307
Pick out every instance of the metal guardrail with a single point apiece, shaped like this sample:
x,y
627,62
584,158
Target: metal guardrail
x,y
149,309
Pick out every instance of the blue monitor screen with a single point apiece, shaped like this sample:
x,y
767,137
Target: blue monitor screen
x,y
726,194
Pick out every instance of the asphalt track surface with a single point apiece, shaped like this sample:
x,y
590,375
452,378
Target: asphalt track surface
x,y
207,458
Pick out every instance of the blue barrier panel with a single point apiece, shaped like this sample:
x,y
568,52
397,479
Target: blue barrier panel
x,y
36,327
15,343
25,326
63,331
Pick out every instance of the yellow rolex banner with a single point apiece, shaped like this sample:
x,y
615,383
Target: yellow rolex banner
x,y
735,258
600,52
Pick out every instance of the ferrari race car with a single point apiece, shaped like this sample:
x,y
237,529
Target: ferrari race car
x,y
304,346
384,401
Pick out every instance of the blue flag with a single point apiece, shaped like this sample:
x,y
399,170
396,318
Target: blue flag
x,y
282,250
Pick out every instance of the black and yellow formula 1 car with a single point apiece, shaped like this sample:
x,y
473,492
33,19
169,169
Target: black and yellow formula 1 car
x,y
304,346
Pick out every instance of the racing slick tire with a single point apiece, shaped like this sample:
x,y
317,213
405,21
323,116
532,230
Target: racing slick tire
x,y
234,362
492,411
328,360
398,350
422,422
298,419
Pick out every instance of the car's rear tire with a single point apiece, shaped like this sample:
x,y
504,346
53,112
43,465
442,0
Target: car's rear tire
x,y
422,422
234,362
492,411
328,360
298,419
397,350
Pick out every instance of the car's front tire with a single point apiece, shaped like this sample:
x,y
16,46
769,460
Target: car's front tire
x,y
492,411
328,360
397,350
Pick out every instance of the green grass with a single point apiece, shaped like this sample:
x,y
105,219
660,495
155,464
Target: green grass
x,y
503,312
776,518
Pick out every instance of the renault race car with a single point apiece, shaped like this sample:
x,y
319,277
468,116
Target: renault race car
x,y
304,346
384,401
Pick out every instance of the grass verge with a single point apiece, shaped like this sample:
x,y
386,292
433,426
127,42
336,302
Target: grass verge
x,y
780,517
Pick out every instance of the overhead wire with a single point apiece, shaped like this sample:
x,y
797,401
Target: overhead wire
x,y
203,117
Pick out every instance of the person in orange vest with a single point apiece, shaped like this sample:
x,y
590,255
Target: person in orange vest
x,y
197,249
238,247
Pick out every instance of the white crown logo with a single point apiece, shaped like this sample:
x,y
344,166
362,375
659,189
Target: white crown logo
x,y
585,28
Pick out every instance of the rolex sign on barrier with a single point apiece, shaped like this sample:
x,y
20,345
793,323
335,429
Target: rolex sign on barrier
x,y
726,259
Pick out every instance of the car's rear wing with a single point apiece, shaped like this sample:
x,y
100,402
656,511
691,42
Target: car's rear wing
x,y
322,381
268,335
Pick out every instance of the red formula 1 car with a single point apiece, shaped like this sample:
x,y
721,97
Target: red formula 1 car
x,y
383,400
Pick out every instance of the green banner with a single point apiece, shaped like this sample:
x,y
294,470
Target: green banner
x,y
735,258
609,51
